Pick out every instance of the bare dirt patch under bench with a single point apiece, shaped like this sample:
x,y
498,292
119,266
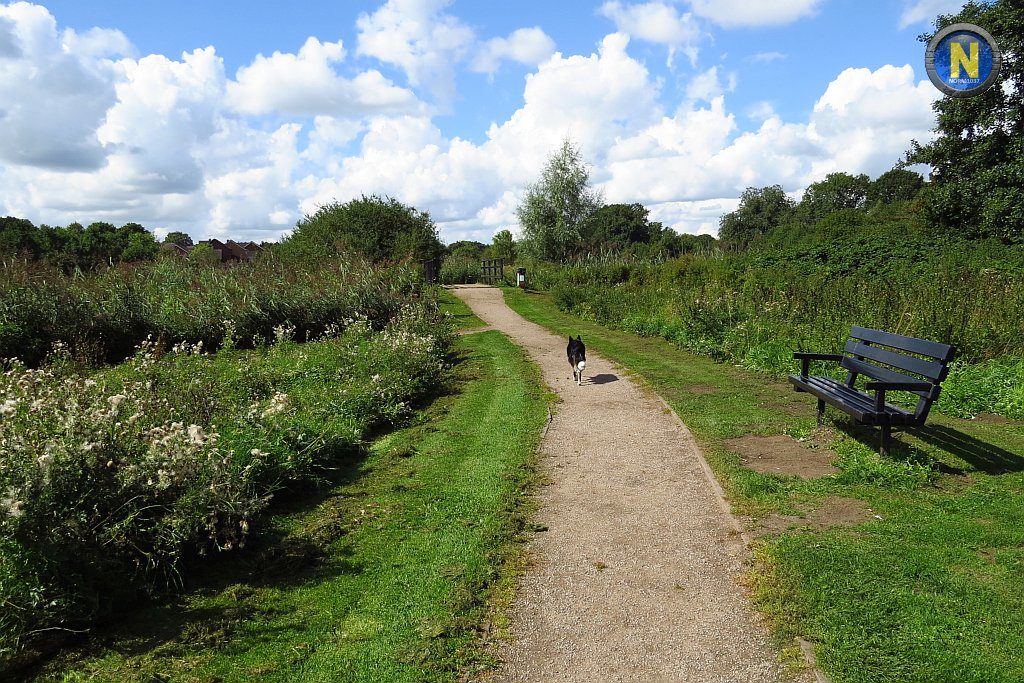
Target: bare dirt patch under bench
x,y
782,454
834,511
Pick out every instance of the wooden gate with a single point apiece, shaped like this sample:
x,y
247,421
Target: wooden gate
x,y
492,270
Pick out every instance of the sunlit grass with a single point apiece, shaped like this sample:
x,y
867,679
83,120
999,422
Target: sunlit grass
x,y
927,588
385,576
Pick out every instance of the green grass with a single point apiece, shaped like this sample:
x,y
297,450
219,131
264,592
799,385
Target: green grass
x,y
462,316
386,576
928,592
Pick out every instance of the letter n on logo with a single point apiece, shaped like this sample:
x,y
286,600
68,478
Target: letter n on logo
x,y
957,56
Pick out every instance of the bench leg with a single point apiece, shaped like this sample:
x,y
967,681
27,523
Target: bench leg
x,y
883,448
821,411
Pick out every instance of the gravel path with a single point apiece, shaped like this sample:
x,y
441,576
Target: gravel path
x,y
636,576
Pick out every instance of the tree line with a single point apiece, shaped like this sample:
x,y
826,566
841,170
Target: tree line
x,y
77,246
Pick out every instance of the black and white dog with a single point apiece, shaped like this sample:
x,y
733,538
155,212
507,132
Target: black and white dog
x,y
577,354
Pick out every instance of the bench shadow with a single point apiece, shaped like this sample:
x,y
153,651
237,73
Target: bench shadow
x,y
982,456
603,379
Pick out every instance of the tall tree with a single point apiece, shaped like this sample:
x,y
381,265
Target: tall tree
x,y
19,236
182,239
503,246
760,210
555,208
894,185
836,192
616,226
977,157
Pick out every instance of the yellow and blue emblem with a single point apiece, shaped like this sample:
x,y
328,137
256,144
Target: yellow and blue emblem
x,y
963,60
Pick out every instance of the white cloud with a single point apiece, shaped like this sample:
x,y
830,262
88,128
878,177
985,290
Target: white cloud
x,y
925,11
695,156
529,46
62,95
173,144
472,188
707,85
421,39
306,84
693,218
860,135
734,13
766,57
656,22
761,110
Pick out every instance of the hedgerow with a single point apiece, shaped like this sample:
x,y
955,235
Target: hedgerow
x,y
111,483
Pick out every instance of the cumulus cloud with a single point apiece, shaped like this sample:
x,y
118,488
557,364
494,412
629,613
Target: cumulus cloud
x,y
707,85
62,95
656,22
695,155
306,84
761,110
734,13
529,46
924,11
420,38
175,144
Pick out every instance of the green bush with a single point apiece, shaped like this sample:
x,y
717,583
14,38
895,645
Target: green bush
x,y
102,317
110,483
460,270
756,308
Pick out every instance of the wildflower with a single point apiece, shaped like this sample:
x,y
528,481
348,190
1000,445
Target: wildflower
x,y
45,460
116,400
278,404
257,453
9,407
195,435
11,504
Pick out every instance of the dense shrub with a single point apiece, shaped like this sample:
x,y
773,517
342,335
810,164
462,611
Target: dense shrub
x,y
109,482
756,308
102,317
460,270
381,229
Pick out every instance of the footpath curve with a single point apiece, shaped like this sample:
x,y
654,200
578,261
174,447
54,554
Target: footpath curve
x,y
636,577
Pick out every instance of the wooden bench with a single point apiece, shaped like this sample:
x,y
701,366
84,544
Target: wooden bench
x,y
882,357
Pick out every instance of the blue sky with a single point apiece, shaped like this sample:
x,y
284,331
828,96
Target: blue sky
x,y
234,118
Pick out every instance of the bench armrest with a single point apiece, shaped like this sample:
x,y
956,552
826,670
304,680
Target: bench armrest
x,y
806,358
881,387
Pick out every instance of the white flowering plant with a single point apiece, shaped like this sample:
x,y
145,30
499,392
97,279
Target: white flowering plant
x,y
110,481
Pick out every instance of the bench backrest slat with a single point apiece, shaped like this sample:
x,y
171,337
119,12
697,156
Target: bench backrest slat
x,y
886,375
934,371
924,347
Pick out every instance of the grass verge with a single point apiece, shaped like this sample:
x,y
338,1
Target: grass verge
x,y
386,575
925,587
463,317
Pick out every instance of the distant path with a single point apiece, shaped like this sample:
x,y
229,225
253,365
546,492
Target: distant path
x,y
635,578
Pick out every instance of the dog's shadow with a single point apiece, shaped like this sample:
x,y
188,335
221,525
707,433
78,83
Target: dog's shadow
x,y
600,379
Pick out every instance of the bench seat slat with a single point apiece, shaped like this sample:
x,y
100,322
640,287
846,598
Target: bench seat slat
x,y
941,352
851,401
931,369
